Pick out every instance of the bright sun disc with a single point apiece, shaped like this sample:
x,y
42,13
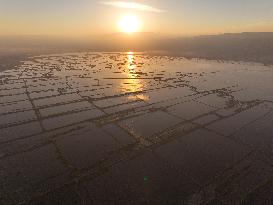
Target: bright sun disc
x,y
129,24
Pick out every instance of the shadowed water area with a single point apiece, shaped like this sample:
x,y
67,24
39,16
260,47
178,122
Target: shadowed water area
x,y
131,128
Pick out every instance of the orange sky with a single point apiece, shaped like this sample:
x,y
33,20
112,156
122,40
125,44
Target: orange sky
x,y
177,17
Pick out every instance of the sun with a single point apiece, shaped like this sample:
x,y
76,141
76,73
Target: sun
x,y
129,24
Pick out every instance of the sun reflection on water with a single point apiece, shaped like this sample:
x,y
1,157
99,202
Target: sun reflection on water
x,y
133,83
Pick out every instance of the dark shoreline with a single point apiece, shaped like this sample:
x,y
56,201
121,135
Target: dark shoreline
x,y
9,61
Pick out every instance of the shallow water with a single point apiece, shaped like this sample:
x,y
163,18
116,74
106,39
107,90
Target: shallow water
x,y
68,117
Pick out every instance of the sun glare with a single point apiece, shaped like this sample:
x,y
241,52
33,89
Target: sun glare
x,y
129,24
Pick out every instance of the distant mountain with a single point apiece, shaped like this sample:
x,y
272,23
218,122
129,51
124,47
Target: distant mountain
x,y
257,47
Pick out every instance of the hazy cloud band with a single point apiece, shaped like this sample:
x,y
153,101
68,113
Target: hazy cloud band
x,y
132,5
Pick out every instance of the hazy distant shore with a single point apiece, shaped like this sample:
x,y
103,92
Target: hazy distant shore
x,y
246,47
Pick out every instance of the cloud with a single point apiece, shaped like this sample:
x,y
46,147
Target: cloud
x,y
132,5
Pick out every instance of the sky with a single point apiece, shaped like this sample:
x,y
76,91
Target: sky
x,y
173,17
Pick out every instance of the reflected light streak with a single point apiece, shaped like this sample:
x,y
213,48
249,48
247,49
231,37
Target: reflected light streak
x,y
133,84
